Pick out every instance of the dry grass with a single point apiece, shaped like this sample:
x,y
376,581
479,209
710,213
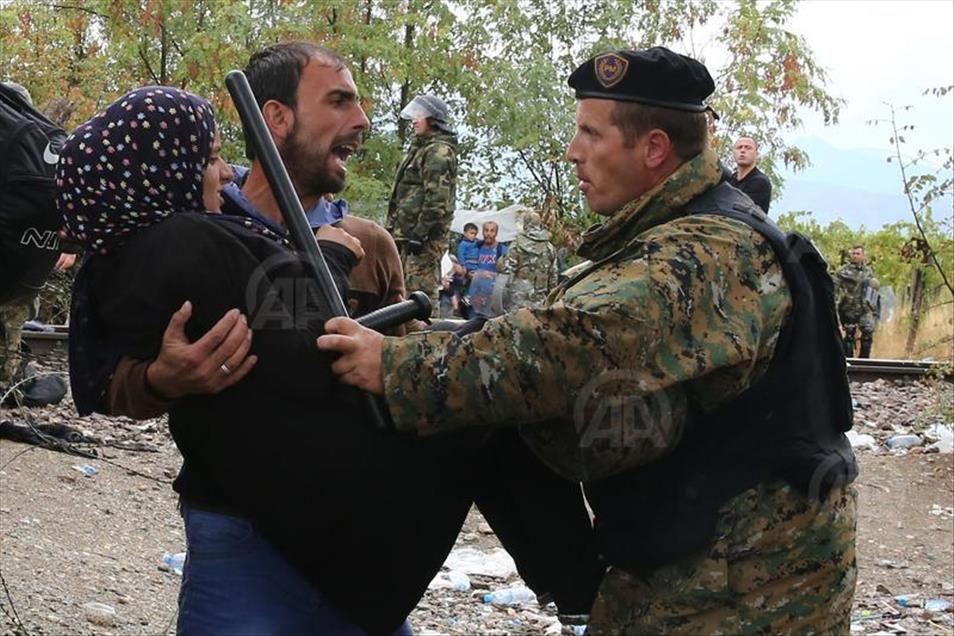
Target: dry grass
x,y
935,335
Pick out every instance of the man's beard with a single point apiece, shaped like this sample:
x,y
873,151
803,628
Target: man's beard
x,y
308,167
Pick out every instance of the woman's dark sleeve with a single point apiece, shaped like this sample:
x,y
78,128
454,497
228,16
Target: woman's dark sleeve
x,y
193,259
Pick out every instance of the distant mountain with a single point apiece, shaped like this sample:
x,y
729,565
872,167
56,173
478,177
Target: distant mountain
x,y
857,186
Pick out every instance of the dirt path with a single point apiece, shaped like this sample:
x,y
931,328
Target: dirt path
x,y
68,540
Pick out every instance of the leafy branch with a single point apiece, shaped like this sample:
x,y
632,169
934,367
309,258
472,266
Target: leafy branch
x,y
922,189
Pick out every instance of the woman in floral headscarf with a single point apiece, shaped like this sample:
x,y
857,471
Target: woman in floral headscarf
x,y
280,453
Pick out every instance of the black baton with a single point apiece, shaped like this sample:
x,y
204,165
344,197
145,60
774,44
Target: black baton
x,y
258,136
418,306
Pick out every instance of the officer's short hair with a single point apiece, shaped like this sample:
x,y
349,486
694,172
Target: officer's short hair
x,y
470,226
275,71
858,247
687,130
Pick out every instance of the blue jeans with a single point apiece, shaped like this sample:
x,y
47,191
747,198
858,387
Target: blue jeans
x,y
235,582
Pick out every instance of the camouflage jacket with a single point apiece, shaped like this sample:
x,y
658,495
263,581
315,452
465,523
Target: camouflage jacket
x,y
681,310
668,307
531,268
422,200
852,283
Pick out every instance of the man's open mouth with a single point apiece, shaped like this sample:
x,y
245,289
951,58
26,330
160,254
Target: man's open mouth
x,y
344,151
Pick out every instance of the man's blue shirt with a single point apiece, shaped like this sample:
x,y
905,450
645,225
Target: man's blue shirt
x,y
322,213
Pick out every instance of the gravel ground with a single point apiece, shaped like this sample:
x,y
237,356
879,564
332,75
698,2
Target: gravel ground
x,y
84,554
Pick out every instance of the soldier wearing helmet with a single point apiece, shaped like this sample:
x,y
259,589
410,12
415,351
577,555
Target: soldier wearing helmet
x,y
422,200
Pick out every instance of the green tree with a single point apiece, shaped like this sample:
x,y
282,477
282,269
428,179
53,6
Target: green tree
x,y
501,64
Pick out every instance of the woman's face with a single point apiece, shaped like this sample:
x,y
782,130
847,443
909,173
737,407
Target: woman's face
x,y
217,175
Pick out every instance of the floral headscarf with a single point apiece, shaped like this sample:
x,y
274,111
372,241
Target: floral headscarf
x,y
134,164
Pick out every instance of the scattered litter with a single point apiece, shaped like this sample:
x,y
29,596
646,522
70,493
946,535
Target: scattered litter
x,y
496,563
452,579
519,595
906,600
943,437
891,565
173,562
896,442
861,440
100,614
937,605
86,469
946,512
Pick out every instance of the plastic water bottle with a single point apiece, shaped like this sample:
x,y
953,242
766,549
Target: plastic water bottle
x,y
904,441
86,469
175,562
511,596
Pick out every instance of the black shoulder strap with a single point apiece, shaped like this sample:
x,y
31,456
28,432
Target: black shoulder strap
x,y
805,271
727,200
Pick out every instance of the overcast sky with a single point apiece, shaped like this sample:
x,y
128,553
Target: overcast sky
x,y
879,51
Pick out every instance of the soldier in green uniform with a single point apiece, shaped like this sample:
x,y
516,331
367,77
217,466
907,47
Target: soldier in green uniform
x,y
12,317
857,296
689,373
530,265
422,200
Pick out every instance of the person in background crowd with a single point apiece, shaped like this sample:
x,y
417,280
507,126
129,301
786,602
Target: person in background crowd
x,y
422,201
484,277
856,296
530,265
14,314
467,248
453,288
747,177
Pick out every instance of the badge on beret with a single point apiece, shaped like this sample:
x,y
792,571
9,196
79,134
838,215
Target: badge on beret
x,y
610,69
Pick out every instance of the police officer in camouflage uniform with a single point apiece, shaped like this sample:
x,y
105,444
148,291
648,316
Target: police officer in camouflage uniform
x,y
857,297
689,373
422,200
530,265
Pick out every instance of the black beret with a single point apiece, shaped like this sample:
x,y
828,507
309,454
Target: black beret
x,y
655,77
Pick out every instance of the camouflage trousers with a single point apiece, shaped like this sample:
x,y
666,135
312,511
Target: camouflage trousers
x,y
12,317
865,325
781,564
422,272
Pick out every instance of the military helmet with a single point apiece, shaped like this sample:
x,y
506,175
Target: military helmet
x,y
433,108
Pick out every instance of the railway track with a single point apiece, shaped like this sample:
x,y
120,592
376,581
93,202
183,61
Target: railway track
x,y
868,369
40,342
859,369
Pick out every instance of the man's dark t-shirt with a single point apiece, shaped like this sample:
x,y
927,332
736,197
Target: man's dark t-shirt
x,y
757,186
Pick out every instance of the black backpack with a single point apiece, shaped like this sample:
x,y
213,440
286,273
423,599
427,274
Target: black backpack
x,y
29,221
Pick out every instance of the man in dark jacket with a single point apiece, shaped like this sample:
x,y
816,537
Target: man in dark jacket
x,y
748,178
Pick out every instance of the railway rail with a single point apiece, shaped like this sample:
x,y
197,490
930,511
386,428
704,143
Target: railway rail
x,y
859,369
868,369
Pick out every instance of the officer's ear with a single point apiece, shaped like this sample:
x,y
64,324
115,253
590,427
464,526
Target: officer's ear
x,y
280,119
657,149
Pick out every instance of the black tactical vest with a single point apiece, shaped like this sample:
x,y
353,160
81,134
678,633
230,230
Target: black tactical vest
x,y
788,426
